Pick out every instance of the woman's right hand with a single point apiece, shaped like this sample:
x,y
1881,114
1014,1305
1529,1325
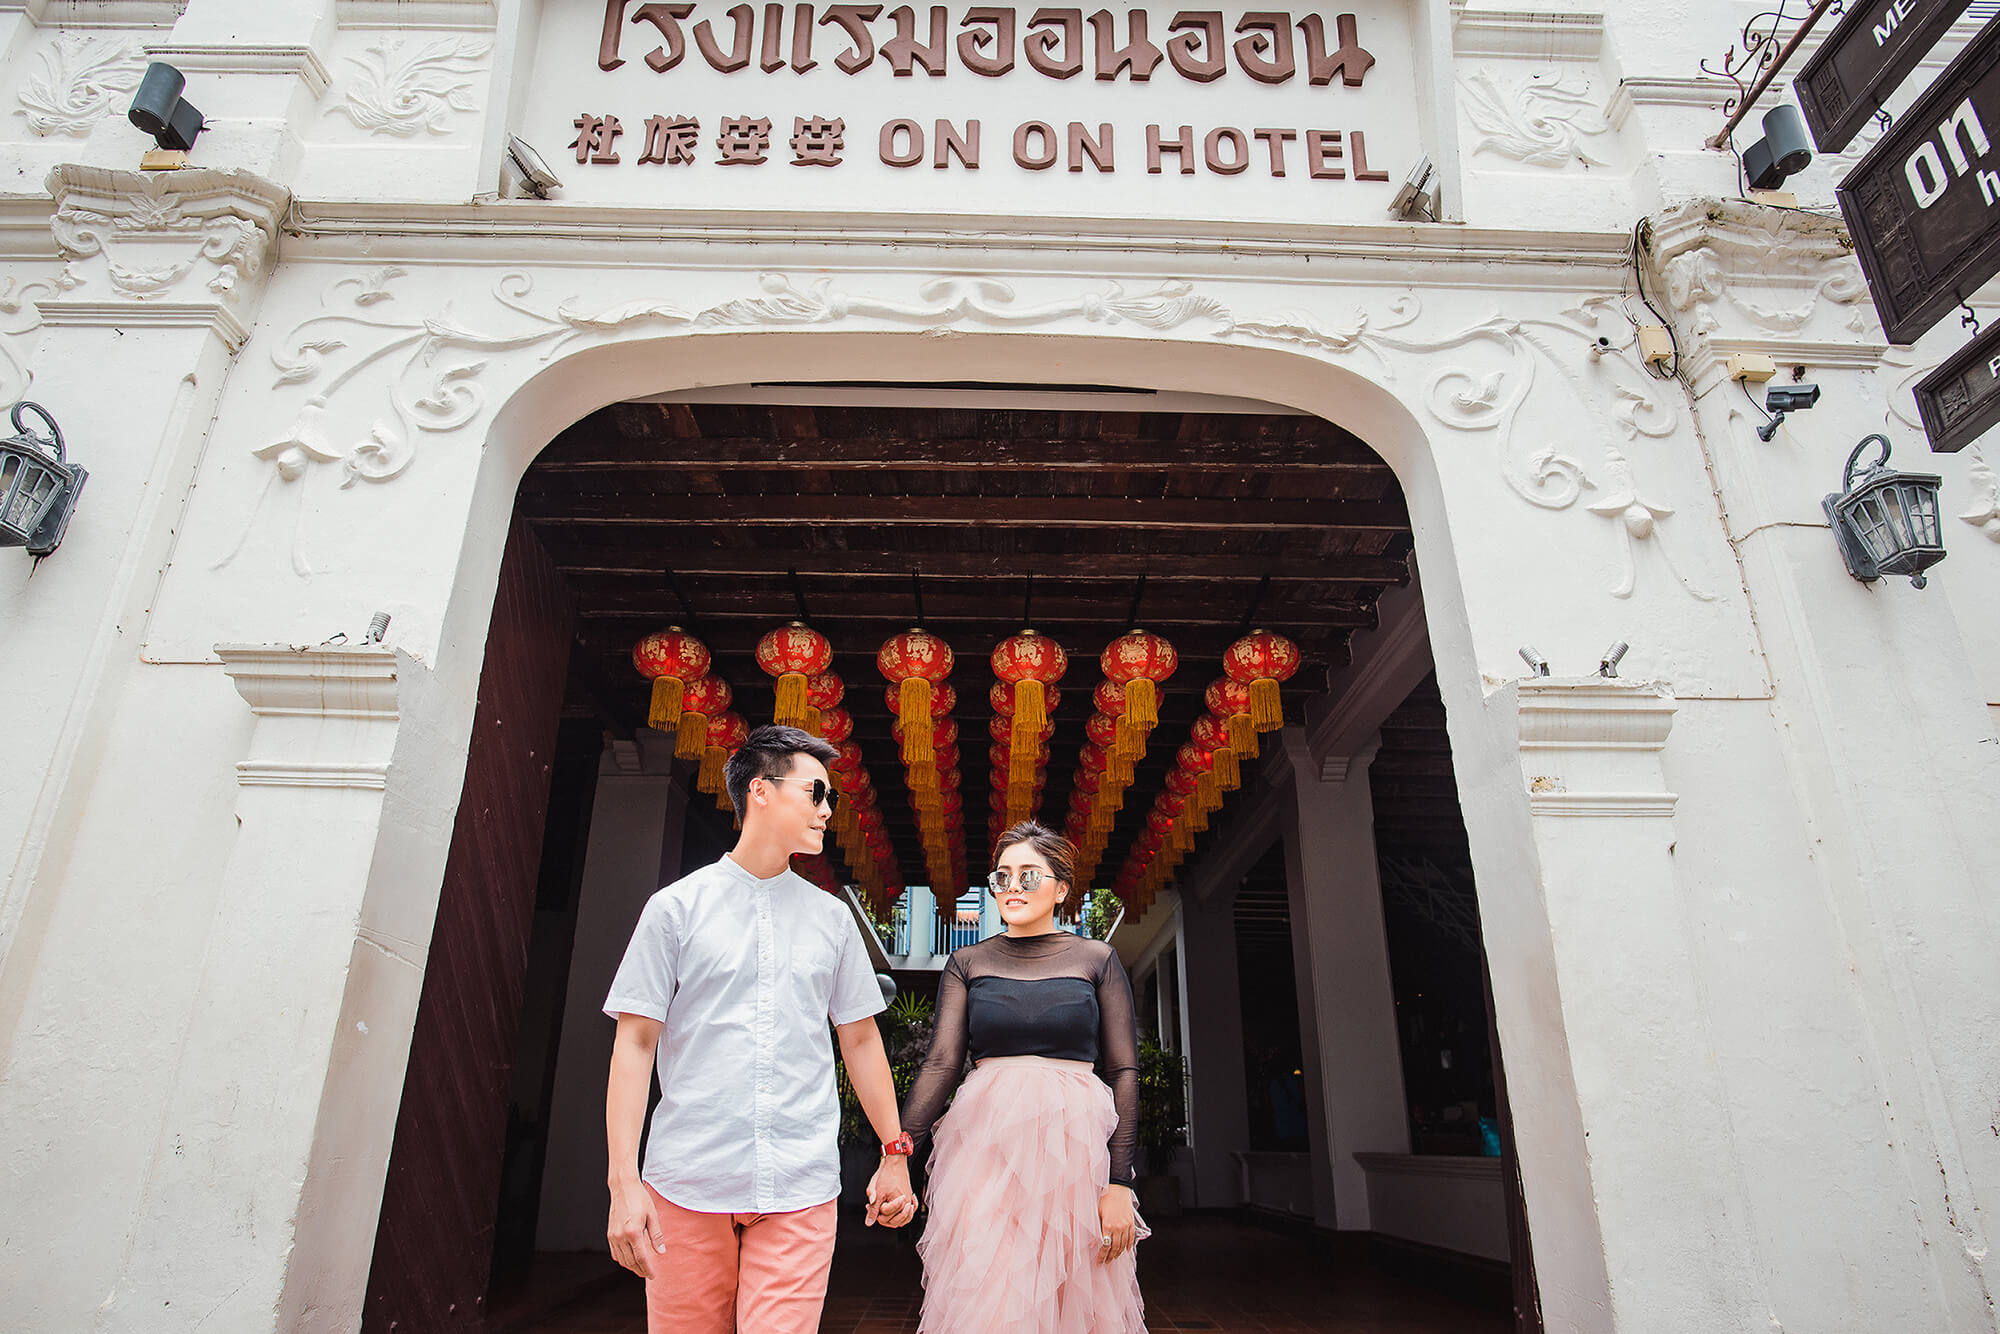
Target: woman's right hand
x,y
634,1228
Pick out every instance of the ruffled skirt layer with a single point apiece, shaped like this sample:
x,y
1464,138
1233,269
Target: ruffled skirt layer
x,y
1013,1241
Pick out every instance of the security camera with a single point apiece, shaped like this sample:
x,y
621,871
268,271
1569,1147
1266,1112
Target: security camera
x,y
1791,398
1607,666
524,173
1781,399
1599,347
1411,196
157,108
1536,662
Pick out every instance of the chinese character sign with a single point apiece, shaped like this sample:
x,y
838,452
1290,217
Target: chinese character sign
x,y
1305,116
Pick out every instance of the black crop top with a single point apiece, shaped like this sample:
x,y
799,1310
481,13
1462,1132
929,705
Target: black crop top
x,y
1056,995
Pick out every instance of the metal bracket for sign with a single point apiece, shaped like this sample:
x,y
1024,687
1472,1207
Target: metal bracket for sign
x,y
1752,44
1858,67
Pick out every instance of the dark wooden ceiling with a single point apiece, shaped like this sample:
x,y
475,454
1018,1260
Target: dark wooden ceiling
x,y
732,519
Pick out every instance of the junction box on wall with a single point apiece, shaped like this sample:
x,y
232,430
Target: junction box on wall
x,y
1656,346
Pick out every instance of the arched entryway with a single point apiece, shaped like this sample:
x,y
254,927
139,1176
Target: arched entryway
x,y
1361,461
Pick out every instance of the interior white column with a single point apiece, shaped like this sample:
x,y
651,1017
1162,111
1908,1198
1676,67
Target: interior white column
x,y
636,822
1212,1013
920,907
1347,1008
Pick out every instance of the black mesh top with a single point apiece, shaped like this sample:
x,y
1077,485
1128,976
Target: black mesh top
x,y
1056,995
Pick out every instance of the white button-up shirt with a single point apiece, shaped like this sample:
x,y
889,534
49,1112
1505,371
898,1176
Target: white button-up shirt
x,y
743,974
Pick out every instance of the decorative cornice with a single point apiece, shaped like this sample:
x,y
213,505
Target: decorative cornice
x,y
217,319
1597,805
1429,1165
283,681
468,15
271,773
1533,33
97,13
1593,713
150,237
301,62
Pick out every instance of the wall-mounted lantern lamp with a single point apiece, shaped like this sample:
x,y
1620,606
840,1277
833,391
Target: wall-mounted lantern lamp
x,y
157,108
1887,522
38,490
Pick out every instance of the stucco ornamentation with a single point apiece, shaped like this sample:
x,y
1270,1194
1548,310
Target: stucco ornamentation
x,y
403,92
77,81
1985,512
145,234
436,363
20,317
1773,268
1542,119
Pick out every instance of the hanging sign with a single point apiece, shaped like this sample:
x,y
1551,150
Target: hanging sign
x,y
1924,204
1864,59
1961,398
1304,115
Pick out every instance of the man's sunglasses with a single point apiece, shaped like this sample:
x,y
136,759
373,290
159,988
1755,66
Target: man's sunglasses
x,y
821,792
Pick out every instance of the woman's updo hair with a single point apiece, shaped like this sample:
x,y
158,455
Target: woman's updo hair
x,y
1056,850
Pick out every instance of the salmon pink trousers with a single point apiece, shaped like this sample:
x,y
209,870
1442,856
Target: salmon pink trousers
x,y
760,1273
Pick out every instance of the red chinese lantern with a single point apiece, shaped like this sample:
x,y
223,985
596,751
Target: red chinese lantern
x,y
726,732
1001,697
1109,698
1102,728
703,698
1137,662
1261,660
824,690
1212,735
943,699
793,654
1030,663
848,761
836,725
1229,700
914,662
669,658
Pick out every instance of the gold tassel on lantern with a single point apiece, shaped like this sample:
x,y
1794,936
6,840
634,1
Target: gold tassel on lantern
x,y
1142,714
913,710
1267,713
815,722
1030,713
709,778
665,710
722,801
791,709
1228,771
1242,734
692,738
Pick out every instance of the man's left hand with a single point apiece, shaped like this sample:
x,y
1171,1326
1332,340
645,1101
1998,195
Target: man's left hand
x,y
891,1202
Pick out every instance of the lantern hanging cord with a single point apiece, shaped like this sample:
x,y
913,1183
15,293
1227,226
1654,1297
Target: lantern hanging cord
x,y
917,593
799,596
1256,600
1132,621
1028,601
692,621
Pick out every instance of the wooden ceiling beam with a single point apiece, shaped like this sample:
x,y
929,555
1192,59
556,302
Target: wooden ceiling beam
x,y
681,513
613,454
1163,570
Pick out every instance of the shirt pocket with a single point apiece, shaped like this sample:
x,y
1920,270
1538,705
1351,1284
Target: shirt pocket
x,y
814,959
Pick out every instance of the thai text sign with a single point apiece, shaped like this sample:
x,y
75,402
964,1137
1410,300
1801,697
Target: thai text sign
x,y
1240,115
1858,66
1961,398
1924,205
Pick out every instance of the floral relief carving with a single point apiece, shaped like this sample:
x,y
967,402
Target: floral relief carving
x,y
435,364
1985,512
404,92
237,247
77,80
20,317
1542,120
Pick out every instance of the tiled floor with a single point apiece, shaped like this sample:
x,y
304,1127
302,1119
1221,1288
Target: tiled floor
x,y
1206,1273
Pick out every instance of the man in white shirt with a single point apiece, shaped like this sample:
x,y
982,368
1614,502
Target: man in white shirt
x,y
728,984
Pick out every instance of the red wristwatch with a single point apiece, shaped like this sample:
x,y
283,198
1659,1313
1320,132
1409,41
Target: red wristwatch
x,y
900,1147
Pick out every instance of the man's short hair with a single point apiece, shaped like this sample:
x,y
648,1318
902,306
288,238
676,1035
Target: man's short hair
x,y
768,752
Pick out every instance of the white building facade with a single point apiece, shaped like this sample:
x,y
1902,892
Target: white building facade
x,y
1740,903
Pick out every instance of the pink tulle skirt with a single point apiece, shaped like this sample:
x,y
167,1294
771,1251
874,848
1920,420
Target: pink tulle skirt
x,y
1013,1239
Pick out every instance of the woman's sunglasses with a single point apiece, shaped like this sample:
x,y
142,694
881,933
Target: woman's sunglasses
x,y
820,790
1031,879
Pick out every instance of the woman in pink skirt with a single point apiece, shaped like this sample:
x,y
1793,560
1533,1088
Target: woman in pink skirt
x,y
1031,1219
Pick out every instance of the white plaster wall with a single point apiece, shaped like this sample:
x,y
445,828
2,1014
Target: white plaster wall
x,y
1819,913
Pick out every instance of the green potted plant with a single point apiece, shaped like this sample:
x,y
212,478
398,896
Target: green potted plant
x,y
1162,1128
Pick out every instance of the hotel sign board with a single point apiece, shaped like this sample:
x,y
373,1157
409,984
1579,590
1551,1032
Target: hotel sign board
x,y
1961,398
1871,52
1924,204
1235,116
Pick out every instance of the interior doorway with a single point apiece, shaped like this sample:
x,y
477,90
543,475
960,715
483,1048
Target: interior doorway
x,y
859,510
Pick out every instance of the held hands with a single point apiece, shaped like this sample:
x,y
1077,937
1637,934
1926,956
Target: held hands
x,y
634,1228
891,1202
1116,1218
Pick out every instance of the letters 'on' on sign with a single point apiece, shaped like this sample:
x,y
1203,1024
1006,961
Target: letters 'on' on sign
x,y
1924,204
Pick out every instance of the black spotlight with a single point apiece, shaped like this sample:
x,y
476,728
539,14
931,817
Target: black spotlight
x,y
1783,151
157,108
